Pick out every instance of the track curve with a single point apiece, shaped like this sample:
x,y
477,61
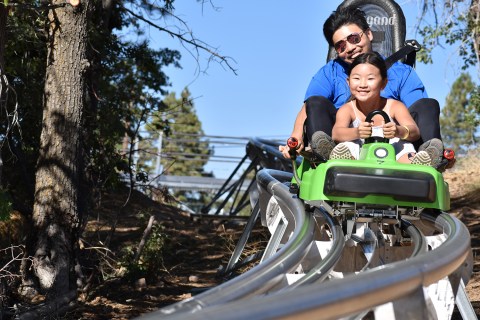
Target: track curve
x,y
398,288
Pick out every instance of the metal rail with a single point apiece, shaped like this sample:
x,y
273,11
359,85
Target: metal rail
x,y
264,276
250,295
263,154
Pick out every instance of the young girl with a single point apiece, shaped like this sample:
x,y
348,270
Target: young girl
x,y
367,77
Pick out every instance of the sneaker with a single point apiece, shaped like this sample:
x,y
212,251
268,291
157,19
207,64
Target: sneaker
x,y
322,144
341,151
434,148
422,158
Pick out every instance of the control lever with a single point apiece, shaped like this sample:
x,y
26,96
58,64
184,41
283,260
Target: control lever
x,y
449,154
293,145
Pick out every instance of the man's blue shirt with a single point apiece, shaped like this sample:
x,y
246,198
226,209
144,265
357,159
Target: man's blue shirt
x,y
331,82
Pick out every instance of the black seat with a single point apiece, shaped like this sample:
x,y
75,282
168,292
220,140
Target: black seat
x,y
386,21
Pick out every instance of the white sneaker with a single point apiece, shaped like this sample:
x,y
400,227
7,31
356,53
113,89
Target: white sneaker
x,y
422,158
341,151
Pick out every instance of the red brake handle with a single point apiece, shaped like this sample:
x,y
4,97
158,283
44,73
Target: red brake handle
x,y
292,143
449,154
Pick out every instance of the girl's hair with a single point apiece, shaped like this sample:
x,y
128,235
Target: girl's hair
x,y
373,58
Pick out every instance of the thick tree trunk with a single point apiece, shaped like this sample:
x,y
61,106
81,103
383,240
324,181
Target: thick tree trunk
x,y
56,213
3,28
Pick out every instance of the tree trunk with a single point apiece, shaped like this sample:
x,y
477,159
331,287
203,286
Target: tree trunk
x,y
3,85
3,28
57,211
475,16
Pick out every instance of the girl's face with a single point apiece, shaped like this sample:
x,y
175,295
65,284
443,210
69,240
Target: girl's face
x,y
366,82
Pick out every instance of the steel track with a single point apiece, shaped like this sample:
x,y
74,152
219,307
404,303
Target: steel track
x,y
398,290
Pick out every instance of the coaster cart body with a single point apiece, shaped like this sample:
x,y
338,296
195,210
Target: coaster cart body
x,y
368,213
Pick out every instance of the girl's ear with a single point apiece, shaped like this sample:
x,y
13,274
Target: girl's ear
x,y
385,81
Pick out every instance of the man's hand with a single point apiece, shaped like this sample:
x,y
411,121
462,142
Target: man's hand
x,y
285,150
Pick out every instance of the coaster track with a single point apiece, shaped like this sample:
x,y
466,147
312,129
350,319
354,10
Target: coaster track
x,y
310,270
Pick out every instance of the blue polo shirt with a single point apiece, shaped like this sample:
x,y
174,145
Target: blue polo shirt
x,y
331,82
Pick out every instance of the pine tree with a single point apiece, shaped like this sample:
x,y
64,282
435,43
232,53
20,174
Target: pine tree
x,y
183,152
186,153
458,126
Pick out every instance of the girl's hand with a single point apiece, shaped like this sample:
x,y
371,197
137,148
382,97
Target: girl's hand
x,y
389,130
365,130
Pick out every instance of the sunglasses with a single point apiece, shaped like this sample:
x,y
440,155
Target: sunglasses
x,y
354,38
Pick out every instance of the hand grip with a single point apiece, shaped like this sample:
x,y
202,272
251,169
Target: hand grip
x,y
292,144
369,119
449,154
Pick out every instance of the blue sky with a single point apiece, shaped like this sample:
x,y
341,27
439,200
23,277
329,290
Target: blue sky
x,y
277,46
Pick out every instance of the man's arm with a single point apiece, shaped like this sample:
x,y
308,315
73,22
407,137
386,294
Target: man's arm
x,y
296,133
298,125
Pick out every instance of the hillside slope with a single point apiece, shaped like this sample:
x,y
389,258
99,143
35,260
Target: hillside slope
x,y
194,249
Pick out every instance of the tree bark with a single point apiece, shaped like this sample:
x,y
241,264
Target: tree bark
x,y
57,207
3,28
475,16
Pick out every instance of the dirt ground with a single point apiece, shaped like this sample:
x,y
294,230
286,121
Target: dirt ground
x,y
194,249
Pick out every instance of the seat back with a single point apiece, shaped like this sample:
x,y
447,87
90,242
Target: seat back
x,y
386,21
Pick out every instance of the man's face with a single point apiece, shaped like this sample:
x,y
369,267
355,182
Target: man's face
x,y
350,41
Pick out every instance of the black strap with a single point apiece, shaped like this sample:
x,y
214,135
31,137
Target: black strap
x,y
409,50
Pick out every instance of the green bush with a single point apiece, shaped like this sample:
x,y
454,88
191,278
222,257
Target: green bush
x,y
151,258
5,205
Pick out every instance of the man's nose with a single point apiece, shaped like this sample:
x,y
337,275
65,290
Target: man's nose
x,y
350,47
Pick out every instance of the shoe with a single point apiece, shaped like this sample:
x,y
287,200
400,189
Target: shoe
x,y
434,148
341,151
422,158
322,144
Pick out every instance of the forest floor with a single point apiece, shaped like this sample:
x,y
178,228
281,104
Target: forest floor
x,y
192,251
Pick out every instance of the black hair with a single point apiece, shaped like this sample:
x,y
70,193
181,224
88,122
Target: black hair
x,y
341,17
373,58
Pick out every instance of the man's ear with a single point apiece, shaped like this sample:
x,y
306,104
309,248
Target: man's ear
x,y
369,34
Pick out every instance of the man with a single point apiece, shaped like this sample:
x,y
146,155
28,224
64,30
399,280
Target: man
x,y
347,30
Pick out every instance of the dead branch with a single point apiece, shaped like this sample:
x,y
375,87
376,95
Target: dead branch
x,y
143,241
196,43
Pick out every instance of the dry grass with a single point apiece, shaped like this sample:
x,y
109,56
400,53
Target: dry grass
x,y
464,177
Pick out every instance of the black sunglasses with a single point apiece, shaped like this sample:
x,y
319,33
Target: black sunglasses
x,y
354,38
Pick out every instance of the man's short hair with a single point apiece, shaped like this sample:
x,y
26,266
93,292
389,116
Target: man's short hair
x,y
341,17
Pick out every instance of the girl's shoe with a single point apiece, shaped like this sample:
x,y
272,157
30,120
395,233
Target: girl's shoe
x,y
341,151
422,158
